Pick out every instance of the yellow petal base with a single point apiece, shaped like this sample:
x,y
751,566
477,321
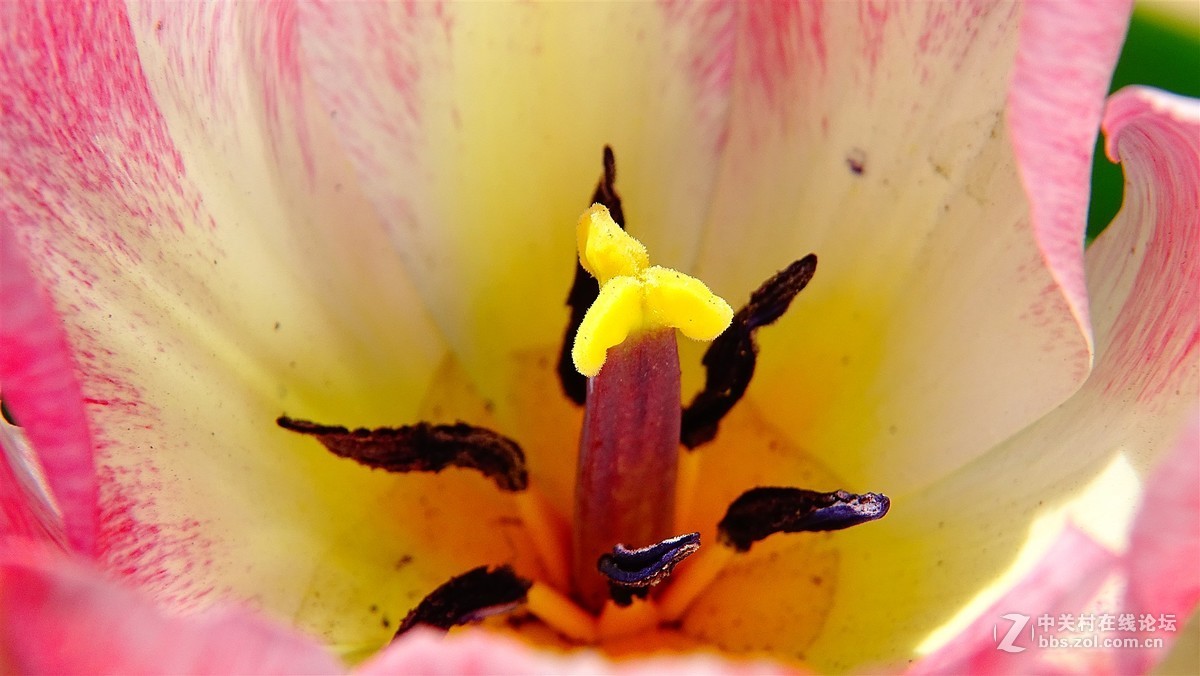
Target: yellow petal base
x,y
635,297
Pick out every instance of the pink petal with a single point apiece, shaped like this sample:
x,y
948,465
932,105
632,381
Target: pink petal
x,y
1165,545
1064,581
1064,65
1162,575
41,389
180,197
475,652
58,616
1142,271
477,129
1159,572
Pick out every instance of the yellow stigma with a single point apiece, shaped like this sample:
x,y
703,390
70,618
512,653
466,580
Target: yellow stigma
x,y
635,297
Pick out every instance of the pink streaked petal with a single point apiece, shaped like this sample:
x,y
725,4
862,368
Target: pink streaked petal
x,y
1066,578
209,278
476,653
1165,544
877,136
1166,538
59,616
1142,288
41,389
1145,285
1064,65
1162,577
86,185
1143,268
477,130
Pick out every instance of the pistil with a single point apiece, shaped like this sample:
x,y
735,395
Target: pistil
x,y
628,457
629,447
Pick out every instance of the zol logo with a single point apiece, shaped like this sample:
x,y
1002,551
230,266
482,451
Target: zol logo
x,y
1007,644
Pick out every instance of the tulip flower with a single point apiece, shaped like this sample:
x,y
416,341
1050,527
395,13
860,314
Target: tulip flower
x,y
220,216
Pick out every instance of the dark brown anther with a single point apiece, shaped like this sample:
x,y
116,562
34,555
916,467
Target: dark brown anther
x,y
631,572
760,512
424,448
730,359
585,288
470,597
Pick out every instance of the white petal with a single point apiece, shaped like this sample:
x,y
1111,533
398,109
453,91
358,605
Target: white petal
x,y
183,202
1142,284
477,131
889,141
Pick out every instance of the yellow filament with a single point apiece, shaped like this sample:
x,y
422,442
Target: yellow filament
x,y
690,579
635,297
687,478
638,617
548,532
560,613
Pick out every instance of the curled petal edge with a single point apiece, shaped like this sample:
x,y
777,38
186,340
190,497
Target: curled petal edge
x,y
1054,114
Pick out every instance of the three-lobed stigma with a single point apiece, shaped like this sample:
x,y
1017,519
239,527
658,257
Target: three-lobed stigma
x,y
634,296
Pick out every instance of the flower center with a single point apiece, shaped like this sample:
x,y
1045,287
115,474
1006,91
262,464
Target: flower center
x,y
619,358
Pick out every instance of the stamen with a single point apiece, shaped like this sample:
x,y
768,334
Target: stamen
x,y
730,360
617,621
760,512
689,582
686,489
756,514
561,614
549,534
424,448
630,570
470,597
584,288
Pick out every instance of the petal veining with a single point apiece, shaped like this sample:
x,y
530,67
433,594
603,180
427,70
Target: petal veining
x,y
880,137
475,129
1142,282
183,202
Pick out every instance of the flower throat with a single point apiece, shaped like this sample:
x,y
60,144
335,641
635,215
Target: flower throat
x,y
619,359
